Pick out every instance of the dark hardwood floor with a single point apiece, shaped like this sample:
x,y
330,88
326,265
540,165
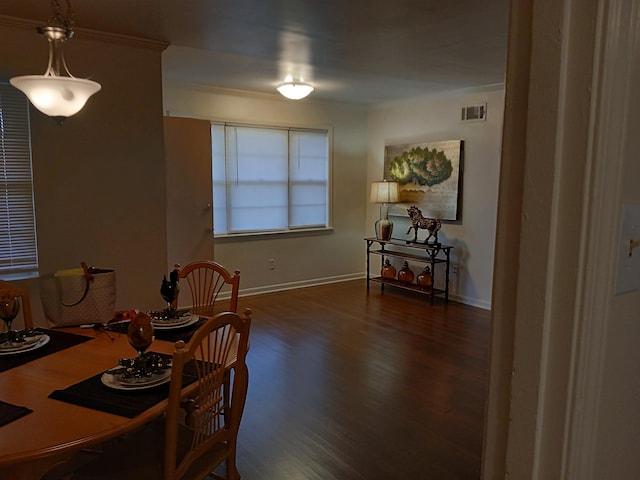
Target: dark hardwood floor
x,y
350,385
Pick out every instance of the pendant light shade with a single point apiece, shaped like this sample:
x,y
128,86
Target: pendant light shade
x,y
57,93
56,96
295,90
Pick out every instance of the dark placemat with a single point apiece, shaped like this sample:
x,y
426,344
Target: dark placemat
x,y
10,412
92,393
173,335
59,341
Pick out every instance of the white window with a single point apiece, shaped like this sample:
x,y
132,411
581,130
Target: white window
x,y
18,248
269,179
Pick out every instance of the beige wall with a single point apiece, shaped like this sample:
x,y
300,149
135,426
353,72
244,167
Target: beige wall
x,y
99,179
438,118
303,258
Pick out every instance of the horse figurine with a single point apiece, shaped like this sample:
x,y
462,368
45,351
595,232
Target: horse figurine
x,y
418,221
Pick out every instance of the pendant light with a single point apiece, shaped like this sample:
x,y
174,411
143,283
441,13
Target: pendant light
x,y
57,93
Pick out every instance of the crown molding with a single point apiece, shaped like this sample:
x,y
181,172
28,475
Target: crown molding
x,y
87,34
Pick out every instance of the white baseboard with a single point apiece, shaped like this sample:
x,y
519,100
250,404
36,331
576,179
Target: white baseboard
x,y
474,302
301,284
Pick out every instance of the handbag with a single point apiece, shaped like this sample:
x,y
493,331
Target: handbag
x,y
77,296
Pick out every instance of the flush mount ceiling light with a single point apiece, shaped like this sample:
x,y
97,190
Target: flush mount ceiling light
x,y
57,93
294,90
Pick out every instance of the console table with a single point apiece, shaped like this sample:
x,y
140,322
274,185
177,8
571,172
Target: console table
x,y
429,254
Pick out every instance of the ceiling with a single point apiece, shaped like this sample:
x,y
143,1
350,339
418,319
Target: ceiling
x,y
358,51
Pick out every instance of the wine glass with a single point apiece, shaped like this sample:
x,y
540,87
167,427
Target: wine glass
x,y
140,333
9,308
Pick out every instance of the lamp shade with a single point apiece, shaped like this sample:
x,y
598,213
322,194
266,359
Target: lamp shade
x,y
384,192
295,90
56,96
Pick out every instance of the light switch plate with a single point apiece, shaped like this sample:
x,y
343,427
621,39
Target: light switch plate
x,y
628,271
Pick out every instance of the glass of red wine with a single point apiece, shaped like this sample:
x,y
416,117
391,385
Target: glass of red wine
x,y
9,308
140,333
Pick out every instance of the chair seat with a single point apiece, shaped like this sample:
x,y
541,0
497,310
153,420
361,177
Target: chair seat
x,y
134,456
139,457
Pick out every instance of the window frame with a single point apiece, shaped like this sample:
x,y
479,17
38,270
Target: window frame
x,y
290,230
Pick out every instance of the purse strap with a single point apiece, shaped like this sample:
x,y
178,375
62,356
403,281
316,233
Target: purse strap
x,y
88,278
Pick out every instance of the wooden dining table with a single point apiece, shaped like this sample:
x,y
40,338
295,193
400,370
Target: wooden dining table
x,y
55,430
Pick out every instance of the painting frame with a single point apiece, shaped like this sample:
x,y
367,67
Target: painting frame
x,y
429,176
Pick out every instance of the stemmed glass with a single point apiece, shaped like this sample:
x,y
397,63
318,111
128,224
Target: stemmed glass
x,y
140,333
9,308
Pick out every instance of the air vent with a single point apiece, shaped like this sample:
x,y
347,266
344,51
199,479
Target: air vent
x,y
474,113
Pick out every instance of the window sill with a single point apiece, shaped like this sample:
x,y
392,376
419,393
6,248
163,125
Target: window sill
x,y
12,276
303,232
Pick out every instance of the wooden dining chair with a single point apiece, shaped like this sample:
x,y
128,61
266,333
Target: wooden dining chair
x,y
10,290
193,449
210,283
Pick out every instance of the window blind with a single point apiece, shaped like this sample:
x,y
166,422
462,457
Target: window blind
x,y
269,179
18,247
308,176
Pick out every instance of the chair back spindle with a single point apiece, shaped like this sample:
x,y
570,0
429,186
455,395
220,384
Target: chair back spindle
x,y
209,283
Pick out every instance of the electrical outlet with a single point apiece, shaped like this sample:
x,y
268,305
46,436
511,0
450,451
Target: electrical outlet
x,y
272,264
454,269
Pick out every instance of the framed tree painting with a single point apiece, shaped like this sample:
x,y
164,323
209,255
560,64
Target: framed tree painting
x,y
428,175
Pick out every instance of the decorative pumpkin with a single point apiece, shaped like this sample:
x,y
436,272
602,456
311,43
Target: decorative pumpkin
x,y
424,278
405,275
388,271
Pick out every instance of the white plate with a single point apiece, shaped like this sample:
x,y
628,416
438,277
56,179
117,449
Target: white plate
x,y
171,321
27,342
138,383
27,347
179,323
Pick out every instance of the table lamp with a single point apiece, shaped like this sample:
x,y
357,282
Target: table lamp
x,y
384,193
